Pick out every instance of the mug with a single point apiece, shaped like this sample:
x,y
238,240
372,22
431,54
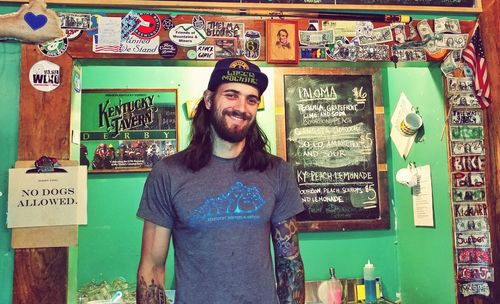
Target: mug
x,y
410,124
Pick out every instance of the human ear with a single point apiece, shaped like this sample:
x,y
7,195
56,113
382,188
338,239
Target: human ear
x,y
208,98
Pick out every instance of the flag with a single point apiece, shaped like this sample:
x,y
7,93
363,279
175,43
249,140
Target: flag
x,y
474,57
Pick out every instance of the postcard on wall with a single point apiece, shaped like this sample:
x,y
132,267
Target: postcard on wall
x,y
127,129
47,199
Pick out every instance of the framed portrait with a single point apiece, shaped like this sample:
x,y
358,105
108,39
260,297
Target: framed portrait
x,y
282,41
125,130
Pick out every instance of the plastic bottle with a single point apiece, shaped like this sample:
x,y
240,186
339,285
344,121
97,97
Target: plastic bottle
x,y
370,283
335,292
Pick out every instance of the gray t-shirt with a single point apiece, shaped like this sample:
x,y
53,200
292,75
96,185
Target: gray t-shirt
x,y
221,221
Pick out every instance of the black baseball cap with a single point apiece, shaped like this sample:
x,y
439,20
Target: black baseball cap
x,y
237,70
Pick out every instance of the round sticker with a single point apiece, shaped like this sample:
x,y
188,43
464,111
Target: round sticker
x,y
54,48
73,34
167,49
191,54
167,24
199,22
150,26
45,76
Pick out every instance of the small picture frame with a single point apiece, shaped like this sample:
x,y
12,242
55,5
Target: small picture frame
x,y
282,41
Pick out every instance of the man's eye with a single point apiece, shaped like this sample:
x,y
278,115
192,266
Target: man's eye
x,y
253,101
231,96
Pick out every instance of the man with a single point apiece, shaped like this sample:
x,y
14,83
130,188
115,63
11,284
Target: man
x,y
282,41
221,199
282,49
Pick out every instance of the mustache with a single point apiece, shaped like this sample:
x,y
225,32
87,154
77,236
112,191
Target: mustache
x,y
236,113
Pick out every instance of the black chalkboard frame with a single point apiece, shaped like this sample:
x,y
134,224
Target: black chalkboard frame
x,y
382,221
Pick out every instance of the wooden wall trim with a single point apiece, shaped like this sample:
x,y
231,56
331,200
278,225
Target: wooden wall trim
x,y
490,27
213,7
41,275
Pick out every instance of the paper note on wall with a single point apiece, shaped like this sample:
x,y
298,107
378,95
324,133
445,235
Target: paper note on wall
x,y
47,199
423,214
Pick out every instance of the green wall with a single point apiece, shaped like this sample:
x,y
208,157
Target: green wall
x,y
410,260
9,113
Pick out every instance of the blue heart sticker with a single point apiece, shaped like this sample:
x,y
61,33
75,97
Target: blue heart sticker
x,y
35,21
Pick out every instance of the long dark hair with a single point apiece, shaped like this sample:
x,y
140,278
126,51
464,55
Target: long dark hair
x,y
199,152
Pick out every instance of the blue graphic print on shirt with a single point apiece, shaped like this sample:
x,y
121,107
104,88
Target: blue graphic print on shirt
x,y
239,203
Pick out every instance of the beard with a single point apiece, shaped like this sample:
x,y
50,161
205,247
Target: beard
x,y
232,135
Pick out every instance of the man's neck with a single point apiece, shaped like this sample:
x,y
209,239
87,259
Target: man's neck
x,y
225,149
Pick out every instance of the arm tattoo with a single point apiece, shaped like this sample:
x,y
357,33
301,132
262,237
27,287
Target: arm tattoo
x,y
152,294
288,263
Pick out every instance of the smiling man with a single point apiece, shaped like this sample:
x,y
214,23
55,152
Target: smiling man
x,y
222,200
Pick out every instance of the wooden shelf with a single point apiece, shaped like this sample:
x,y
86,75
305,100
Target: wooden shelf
x,y
238,8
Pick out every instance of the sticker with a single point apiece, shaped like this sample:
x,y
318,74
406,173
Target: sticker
x,y
468,179
35,22
72,34
225,47
470,210
224,29
187,35
373,52
467,117
459,84
467,100
198,22
344,52
472,239
252,45
45,76
475,147
102,48
205,52
167,23
474,288
364,28
74,21
316,38
167,49
464,132
471,224
77,82
474,256
461,195
340,27
410,54
475,273
130,23
191,54
312,53
149,27
134,45
54,48
313,25
468,163
94,23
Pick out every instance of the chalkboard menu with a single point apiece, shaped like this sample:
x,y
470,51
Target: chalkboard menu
x,y
331,143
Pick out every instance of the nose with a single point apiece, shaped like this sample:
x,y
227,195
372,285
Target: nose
x,y
241,104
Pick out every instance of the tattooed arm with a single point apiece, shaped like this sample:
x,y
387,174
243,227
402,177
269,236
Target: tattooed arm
x,y
288,263
151,273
